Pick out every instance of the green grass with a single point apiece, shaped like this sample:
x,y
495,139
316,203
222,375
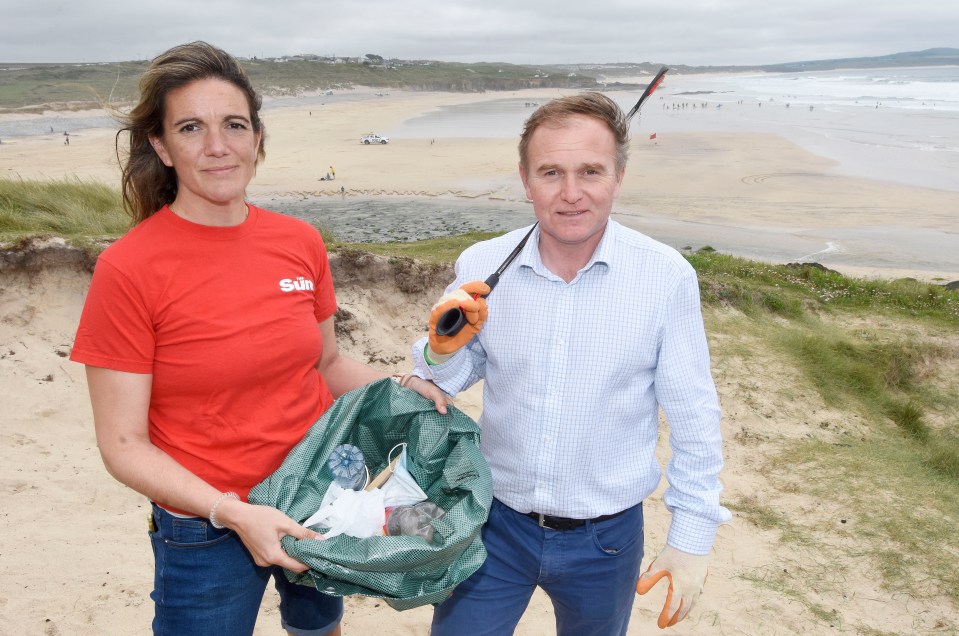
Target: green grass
x,y
757,288
433,251
902,510
73,209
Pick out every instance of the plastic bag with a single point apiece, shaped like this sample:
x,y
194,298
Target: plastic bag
x,y
358,513
413,520
444,459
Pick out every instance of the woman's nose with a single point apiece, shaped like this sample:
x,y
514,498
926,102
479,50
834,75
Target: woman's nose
x,y
215,143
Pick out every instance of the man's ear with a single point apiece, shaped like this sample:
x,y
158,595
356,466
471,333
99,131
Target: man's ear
x,y
522,176
619,182
160,149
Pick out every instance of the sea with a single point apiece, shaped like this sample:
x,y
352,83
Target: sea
x,y
893,124
896,124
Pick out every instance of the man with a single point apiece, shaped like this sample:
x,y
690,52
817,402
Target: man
x,y
590,331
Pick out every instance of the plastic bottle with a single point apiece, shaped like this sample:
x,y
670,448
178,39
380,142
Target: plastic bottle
x,y
413,520
348,467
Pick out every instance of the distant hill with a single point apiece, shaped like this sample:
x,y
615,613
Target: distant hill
x,y
928,57
75,86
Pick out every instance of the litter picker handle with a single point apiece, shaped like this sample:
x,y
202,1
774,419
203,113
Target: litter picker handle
x,y
453,320
657,80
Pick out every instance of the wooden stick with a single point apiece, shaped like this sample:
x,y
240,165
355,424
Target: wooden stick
x,y
385,474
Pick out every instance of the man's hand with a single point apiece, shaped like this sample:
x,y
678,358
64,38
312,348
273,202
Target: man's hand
x,y
687,575
474,309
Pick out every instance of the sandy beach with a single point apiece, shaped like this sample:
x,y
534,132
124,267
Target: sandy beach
x,y
74,555
707,179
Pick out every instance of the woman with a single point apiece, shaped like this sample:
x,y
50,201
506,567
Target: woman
x,y
209,344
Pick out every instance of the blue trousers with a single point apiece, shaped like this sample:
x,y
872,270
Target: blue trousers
x,y
589,574
207,583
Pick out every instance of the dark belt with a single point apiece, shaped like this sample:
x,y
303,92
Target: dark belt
x,y
563,523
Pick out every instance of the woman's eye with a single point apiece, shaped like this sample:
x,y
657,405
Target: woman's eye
x,y
189,128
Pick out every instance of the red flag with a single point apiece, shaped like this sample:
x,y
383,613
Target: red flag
x,y
652,136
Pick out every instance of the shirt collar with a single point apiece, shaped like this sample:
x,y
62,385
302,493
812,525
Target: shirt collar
x,y
603,254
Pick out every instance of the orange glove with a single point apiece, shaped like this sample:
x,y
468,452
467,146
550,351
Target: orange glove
x,y
474,309
687,575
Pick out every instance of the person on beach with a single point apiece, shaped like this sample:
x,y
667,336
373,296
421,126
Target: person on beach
x,y
591,331
210,350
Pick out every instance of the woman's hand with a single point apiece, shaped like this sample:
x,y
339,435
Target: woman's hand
x,y
261,528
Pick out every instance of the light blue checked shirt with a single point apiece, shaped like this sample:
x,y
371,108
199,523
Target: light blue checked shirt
x,y
575,374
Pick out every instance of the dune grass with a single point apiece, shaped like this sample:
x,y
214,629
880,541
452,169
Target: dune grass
x,y
73,209
879,471
433,251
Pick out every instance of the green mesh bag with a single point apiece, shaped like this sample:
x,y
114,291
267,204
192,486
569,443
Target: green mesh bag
x,y
443,456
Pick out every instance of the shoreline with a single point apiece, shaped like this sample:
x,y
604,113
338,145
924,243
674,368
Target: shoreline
x,y
747,193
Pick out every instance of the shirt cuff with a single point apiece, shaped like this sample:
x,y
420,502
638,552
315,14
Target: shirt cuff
x,y
691,533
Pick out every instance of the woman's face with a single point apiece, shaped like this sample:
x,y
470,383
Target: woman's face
x,y
208,139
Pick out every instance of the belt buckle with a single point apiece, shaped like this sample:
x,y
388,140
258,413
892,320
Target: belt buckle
x,y
542,521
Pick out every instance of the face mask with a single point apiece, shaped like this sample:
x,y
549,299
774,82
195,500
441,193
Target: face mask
x,y
401,489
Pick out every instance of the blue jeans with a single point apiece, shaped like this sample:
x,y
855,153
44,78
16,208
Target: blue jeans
x,y
207,583
589,574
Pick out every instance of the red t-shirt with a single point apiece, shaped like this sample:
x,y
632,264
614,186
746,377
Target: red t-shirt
x,y
225,318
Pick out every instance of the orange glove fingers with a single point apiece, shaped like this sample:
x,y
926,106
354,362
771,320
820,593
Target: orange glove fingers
x,y
469,300
664,618
473,310
476,288
647,582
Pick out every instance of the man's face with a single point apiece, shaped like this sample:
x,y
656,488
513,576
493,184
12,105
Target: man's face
x,y
571,178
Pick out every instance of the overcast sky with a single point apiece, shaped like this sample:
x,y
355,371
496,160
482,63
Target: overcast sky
x,y
694,32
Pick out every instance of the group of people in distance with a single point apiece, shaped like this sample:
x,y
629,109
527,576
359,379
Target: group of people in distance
x,y
204,371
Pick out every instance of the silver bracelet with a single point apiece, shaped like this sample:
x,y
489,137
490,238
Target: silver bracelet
x,y
212,516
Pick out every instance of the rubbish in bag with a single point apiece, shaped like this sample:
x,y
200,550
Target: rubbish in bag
x,y
413,520
355,513
444,459
348,466
362,513
401,489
